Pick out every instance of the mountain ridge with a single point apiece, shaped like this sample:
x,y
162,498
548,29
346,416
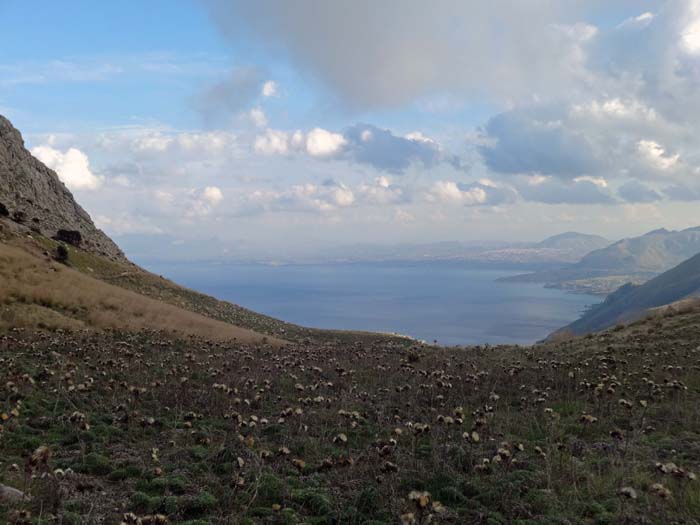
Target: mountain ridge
x,y
634,259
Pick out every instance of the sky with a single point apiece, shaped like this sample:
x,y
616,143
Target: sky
x,y
226,128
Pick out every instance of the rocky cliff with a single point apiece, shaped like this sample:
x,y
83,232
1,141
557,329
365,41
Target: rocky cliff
x,y
33,196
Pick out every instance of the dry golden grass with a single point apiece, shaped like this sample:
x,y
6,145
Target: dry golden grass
x,y
38,292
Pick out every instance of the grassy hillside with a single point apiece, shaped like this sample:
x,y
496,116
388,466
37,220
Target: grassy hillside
x,y
37,292
600,430
630,301
135,279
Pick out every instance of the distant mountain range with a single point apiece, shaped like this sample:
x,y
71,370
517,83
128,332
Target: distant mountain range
x,y
563,248
633,260
554,251
631,302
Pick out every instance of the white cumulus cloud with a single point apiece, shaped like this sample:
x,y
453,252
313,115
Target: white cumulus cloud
x,y
323,143
72,167
449,191
656,155
269,89
273,142
212,195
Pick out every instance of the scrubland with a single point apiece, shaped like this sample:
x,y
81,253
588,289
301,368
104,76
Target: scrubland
x,y
141,427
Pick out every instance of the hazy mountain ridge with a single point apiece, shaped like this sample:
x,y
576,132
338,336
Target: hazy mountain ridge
x,y
635,259
559,249
631,302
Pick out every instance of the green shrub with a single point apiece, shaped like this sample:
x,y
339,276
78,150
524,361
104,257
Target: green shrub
x,y
95,464
199,505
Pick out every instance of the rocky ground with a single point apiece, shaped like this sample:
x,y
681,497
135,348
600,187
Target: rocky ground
x,y
141,428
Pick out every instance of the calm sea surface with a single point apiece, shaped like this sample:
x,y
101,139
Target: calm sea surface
x,y
446,302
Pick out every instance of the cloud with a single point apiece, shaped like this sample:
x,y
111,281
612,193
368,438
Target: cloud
x,y
269,89
220,101
537,140
410,49
322,143
682,192
272,142
481,193
690,33
150,155
327,197
386,151
72,167
212,195
655,154
551,190
300,198
155,143
449,191
258,117
635,191
362,144
123,224
608,138
188,204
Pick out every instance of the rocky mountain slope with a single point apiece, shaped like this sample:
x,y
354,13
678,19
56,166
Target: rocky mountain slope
x,y
34,198
631,302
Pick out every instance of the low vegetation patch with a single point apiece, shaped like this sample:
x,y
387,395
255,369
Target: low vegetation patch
x,y
141,427
38,292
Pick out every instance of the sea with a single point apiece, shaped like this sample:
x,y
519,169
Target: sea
x,y
447,302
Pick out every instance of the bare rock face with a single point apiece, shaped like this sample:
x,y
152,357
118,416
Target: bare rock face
x,y
32,194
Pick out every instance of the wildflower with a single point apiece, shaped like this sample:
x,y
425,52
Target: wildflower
x,y
617,434
628,492
80,420
408,519
421,499
588,419
388,466
659,490
39,458
472,437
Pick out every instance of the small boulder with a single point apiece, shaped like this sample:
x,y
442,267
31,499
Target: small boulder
x,y
11,495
